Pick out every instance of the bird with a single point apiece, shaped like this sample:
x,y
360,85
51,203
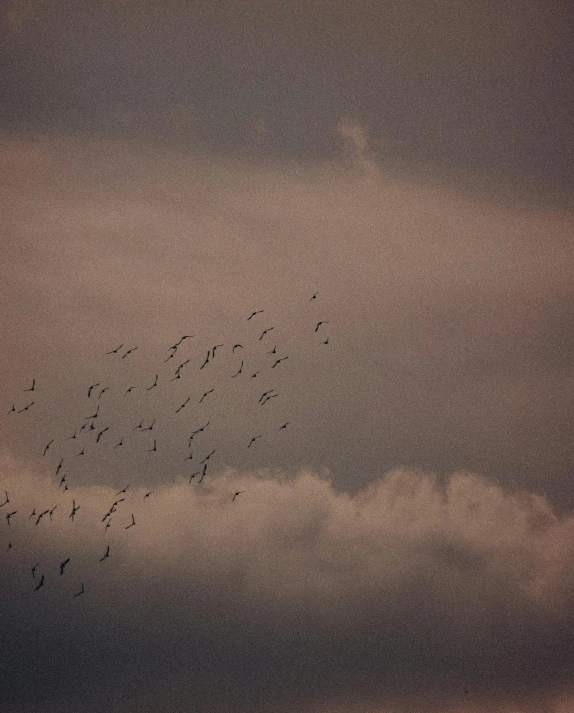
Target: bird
x,y
41,515
253,440
273,351
40,584
258,311
314,297
152,450
5,501
108,523
285,425
74,510
133,522
32,387
26,407
265,331
34,568
9,545
189,457
183,404
13,409
123,491
131,388
31,515
59,468
95,415
180,367
62,480
176,377
140,427
116,350
192,476
214,348
63,566
153,385
77,594
92,387
236,494
9,515
206,360
171,356
236,346
264,394
268,398
326,341
121,443
103,391
48,446
319,324
150,427
106,555
51,512
204,471
205,394
129,351
279,361
148,494
207,457
73,435
254,375
101,433
239,371
82,452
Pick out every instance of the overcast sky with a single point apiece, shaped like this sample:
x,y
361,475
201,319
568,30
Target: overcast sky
x,y
406,542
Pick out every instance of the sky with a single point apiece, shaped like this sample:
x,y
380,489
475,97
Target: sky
x,y
405,544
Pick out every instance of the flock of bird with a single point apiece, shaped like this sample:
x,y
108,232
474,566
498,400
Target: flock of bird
x,y
90,425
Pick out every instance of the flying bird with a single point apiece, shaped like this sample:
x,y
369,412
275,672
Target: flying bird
x,y
183,404
41,515
101,433
34,568
63,565
81,453
279,361
26,407
285,425
48,446
207,457
59,468
236,346
122,491
192,476
13,409
265,331
51,512
106,555
152,450
131,388
103,391
116,350
214,348
153,385
189,457
268,398
236,494
92,387
32,387
254,313
314,297
77,594
319,324
5,501
74,435
206,360
239,371
203,473
264,394
254,439
121,443
129,351
326,341
95,415
205,394
148,494
150,427
40,584
133,522
74,510
9,515
254,375
273,351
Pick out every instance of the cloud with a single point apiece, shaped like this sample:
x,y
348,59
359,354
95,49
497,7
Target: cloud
x,y
408,595
356,141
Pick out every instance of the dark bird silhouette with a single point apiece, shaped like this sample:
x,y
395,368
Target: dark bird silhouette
x,y
264,394
26,407
51,512
326,341
34,568
253,440
77,594
285,425
62,480
101,433
133,522
176,377
140,427
73,436
207,457
183,404
103,391
129,351
94,415
279,361
205,394
254,375
203,472
74,510
92,387
238,372
314,297
148,494
265,331
189,457
121,443
63,565
254,313
171,356
236,346
183,363
40,584
106,555
9,546
214,348
236,494
31,515
268,398
206,360
131,388
150,427
273,351
5,501
32,387
48,446
13,409
152,450
81,453
9,515
41,515
123,491
116,350
192,476
59,468
153,385
108,523
319,324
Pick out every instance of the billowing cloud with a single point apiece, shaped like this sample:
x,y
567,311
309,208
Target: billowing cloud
x,y
407,595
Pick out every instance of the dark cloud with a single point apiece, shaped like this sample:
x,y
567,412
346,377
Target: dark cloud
x,y
406,596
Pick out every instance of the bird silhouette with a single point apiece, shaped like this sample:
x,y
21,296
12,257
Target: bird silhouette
x,y
32,387
10,514
236,346
95,415
129,351
26,407
273,351
285,425
239,371
34,568
106,555
121,443
5,501
265,331
148,494
183,404
116,350
150,427
92,387
152,450
319,324
13,409
279,361
326,341
103,391
63,565
253,440
77,594
131,388
101,433
205,394
133,522
314,297
48,446
153,385
206,360
74,510
207,457
41,515
192,476
59,468
254,313
124,490
40,584
236,494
